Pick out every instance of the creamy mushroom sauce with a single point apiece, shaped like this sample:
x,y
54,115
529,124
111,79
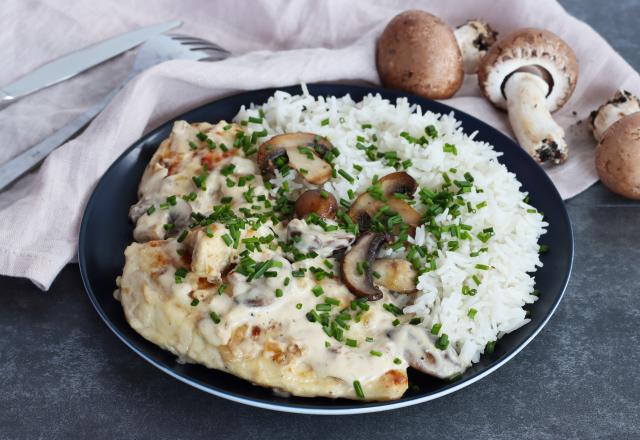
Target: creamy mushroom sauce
x,y
182,288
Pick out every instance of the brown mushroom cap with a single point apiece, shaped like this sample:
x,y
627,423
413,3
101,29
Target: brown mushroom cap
x,y
398,182
529,47
417,52
618,157
318,202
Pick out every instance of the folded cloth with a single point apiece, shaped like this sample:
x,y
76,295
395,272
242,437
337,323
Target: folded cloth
x,y
276,43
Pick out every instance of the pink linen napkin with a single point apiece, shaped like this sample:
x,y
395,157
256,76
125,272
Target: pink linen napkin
x,y
276,43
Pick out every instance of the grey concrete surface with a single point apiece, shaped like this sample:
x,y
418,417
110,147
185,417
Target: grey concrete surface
x,y
64,375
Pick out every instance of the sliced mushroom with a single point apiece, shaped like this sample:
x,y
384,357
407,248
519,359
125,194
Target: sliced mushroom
x,y
324,243
475,37
365,208
531,73
622,104
317,202
161,223
357,265
304,151
395,274
398,183
423,355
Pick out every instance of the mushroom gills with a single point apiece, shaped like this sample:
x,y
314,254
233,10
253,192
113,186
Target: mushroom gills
x,y
622,104
395,274
357,265
530,119
304,151
475,37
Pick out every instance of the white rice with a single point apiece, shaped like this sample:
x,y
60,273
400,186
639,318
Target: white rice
x,y
513,251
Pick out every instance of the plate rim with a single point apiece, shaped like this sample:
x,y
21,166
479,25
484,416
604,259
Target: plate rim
x,y
368,407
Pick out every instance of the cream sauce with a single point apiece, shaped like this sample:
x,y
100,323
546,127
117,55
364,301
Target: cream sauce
x,y
193,317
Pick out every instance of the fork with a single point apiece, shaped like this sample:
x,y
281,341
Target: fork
x,y
155,51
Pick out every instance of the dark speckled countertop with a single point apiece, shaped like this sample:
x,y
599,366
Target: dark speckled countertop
x,y
63,374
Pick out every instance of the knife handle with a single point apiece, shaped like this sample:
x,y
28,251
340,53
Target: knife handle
x,y
26,160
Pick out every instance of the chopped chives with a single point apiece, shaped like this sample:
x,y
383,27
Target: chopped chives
x,y
214,317
369,339
375,353
221,288
317,290
415,321
482,266
279,293
332,301
227,239
443,342
450,148
358,389
544,248
151,209
395,322
195,302
182,236
351,342
323,307
476,279
472,313
192,145
346,175
255,120
324,122
491,345
299,306
397,361
436,328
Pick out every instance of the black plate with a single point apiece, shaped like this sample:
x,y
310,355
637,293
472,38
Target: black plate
x,y
106,231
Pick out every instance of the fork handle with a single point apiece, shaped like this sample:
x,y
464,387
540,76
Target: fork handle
x,y
26,160
5,99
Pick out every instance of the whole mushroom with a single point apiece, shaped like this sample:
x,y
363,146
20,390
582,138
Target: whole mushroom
x,y
531,73
475,37
418,53
622,104
618,157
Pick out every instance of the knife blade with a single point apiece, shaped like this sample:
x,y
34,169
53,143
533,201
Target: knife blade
x,y
79,61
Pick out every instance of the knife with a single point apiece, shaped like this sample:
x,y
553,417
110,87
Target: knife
x,y
76,62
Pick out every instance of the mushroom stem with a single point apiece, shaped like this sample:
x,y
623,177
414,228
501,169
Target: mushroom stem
x,y
531,120
475,37
622,104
